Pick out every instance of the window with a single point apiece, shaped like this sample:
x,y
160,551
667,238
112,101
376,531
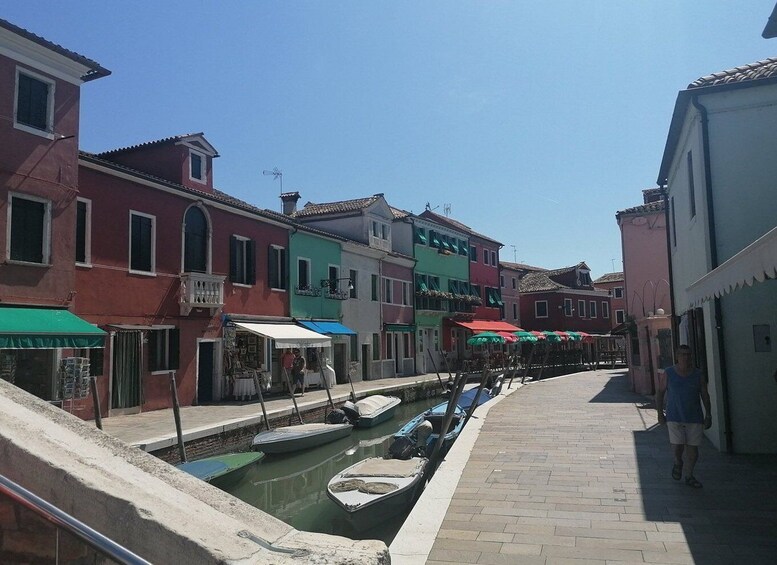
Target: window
x,y
434,239
83,231
605,309
567,306
376,347
334,274
515,311
142,242
387,288
618,292
242,263
353,276
303,273
514,285
581,308
674,227
34,112
541,309
485,256
420,236
196,166
374,281
620,316
389,345
691,189
592,309
195,258
276,267
406,342
354,339
473,254
163,349
463,247
384,231
405,293
493,259
502,281
30,240
380,235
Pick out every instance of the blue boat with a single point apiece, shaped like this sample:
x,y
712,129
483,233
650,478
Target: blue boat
x,y
221,470
435,417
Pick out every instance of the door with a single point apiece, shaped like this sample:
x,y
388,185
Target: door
x,y
397,355
125,382
341,370
366,361
205,372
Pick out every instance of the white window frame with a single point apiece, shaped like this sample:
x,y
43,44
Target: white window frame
x,y
380,235
242,240
46,251
568,312
493,259
620,316
515,311
329,267
309,269
617,292
592,309
388,290
502,281
166,344
515,286
486,255
48,133
279,268
406,294
471,254
203,167
152,272
536,304
605,310
581,308
87,262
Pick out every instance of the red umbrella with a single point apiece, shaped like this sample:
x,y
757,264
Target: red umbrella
x,y
562,335
588,338
509,338
538,335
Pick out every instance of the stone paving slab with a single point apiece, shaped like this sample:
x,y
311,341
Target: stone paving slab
x,y
575,470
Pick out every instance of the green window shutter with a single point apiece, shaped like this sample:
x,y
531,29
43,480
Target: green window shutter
x,y
250,262
153,350
233,258
420,236
272,266
173,354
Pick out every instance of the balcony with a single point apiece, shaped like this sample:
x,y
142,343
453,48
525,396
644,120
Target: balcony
x,y
307,290
200,290
336,294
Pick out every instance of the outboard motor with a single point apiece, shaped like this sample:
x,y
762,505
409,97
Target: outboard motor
x,y
401,448
351,411
336,417
422,433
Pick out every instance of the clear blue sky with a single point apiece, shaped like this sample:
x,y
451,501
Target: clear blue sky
x,y
535,121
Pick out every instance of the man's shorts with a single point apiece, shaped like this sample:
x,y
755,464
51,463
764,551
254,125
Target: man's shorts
x,y
681,433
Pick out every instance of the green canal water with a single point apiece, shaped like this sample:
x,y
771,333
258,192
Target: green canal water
x,y
292,487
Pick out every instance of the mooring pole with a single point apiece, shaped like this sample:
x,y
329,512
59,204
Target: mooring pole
x,y
177,415
98,418
258,386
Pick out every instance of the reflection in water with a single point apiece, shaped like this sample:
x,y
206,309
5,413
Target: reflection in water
x,y
292,487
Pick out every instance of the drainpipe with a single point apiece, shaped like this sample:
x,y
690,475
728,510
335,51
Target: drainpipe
x,y
675,319
714,263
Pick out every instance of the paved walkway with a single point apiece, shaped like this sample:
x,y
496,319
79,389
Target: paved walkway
x,y
156,429
575,470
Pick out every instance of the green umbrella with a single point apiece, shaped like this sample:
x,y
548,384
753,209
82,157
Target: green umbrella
x,y
574,336
525,336
552,337
485,338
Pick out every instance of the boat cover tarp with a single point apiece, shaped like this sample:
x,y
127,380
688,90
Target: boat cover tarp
x,y
376,467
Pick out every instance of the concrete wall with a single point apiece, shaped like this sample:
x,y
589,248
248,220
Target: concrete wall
x,y
158,512
361,314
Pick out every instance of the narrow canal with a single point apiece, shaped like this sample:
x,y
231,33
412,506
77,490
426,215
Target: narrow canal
x,y
292,487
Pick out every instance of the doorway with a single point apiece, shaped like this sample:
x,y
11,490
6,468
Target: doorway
x,y
339,362
125,382
205,367
366,361
398,354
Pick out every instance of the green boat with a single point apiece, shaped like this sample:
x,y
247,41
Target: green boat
x,y
222,470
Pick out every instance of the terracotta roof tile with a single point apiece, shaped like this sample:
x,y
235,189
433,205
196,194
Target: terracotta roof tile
x,y
642,209
444,220
96,70
171,139
399,214
609,277
520,266
754,71
326,208
537,282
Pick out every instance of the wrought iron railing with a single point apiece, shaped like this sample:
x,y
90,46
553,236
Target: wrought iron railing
x,y
71,540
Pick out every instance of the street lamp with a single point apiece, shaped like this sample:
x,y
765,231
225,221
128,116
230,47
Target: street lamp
x,y
331,284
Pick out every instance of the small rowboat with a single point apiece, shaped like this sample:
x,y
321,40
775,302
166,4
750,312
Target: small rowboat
x,y
221,470
376,489
376,409
435,417
296,438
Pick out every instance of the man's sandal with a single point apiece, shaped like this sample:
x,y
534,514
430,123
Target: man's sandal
x,y
677,471
692,482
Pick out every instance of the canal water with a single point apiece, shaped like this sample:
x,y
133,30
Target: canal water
x,y
292,487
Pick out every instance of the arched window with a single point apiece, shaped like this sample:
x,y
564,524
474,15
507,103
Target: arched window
x,y
195,256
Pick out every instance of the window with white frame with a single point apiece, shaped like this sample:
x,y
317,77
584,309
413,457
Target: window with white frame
x,y
83,231
605,309
196,258
620,316
389,345
353,276
276,267
374,285
380,235
34,103
197,162
473,254
541,309
242,264
567,307
30,229
387,288
405,293
334,274
163,347
581,308
493,259
514,285
592,309
142,242
618,292
515,311
376,347
303,274
486,256
502,281
407,353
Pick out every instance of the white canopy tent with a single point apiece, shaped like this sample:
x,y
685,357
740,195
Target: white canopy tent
x,y
756,262
287,335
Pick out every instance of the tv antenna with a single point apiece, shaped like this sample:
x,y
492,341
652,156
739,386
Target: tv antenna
x,y
515,254
429,207
276,174
446,209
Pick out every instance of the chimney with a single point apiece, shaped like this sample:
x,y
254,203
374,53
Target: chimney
x,y
289,200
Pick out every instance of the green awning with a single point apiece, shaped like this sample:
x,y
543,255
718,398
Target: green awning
x,y
399,328
46,328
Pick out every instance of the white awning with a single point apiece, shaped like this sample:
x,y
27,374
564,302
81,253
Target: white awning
x,y
756,262
287,335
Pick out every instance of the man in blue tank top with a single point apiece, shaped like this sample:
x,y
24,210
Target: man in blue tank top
x,y
686,390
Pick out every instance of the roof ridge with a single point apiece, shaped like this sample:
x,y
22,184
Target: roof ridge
x,y
149,143
765,68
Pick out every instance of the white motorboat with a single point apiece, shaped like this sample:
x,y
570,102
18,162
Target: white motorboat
x,y
296,438
376,409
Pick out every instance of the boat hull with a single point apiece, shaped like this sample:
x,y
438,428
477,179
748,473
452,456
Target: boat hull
x,y
435,415
297,438
381,413
222,471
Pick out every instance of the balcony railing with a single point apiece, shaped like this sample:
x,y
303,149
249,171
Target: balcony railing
x,y
336,294
307,291
200,290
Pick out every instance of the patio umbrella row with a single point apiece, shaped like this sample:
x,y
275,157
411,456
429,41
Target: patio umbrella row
x,y
484,338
